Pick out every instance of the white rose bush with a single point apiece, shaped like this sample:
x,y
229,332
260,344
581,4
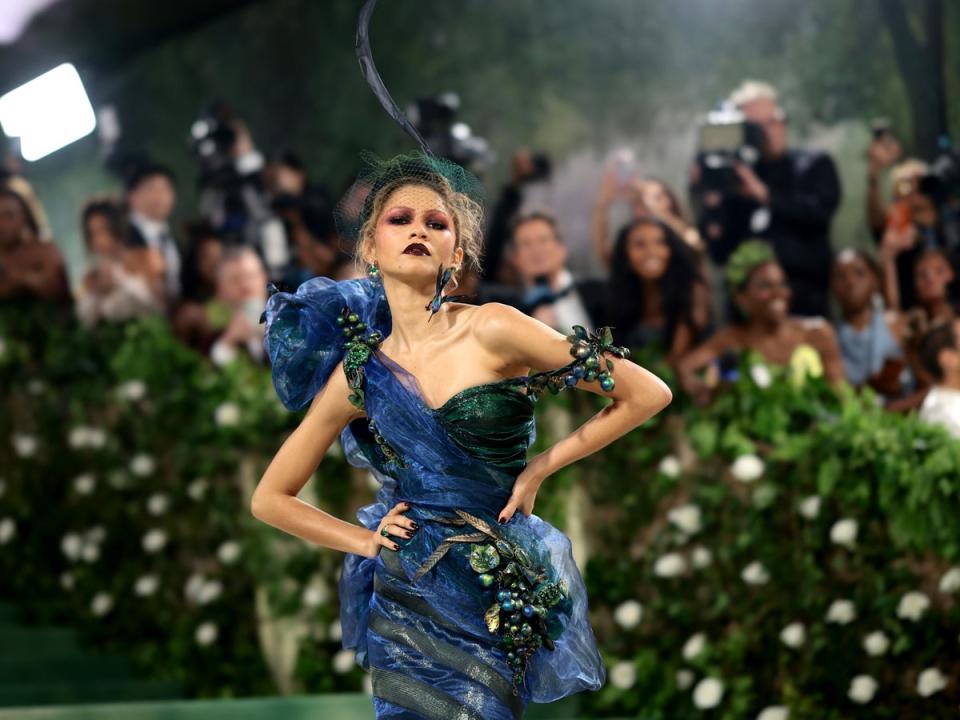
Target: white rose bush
x,y
786,552
832,596
124,515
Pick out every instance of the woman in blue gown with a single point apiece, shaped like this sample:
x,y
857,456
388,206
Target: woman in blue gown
x,y
458,605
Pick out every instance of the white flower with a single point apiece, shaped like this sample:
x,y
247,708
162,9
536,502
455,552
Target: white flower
x,y
810,507
197,489
35,387
142,465
628,614
8,530
72,546
206,633
146,585
793,635
90,552
670,565
194,586
844,532
78,437
747,468
96,437
876,643
841,612
157,504
132,390
227,414
101,604
684,678
315,593
950,582
774,712
343,661
913,605
701,557
862,689
66,580
83,436
930,681
336,632
623,675
694,646
228,552
84,484
708,693
761,375
96,534
755,574
209,591
669,466
686,517
154,540
24,445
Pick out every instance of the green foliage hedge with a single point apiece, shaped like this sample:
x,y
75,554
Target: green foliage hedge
x,y
716,534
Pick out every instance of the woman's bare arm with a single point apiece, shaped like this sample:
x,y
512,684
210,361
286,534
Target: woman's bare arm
x,y
275,500
638,394
599,226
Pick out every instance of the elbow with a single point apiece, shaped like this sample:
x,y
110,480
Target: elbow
x,y
258,505
665,397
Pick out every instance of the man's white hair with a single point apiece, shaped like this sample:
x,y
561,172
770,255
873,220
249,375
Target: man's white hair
x,y
752,90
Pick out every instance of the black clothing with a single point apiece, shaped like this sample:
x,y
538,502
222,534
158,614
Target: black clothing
x,y
804,194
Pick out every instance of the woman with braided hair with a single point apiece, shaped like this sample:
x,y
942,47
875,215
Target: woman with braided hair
x,y
459,599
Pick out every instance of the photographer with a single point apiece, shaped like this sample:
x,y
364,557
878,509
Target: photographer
x,y
787,197
232,195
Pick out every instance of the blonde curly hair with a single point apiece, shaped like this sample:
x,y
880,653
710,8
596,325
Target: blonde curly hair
x,y
467,220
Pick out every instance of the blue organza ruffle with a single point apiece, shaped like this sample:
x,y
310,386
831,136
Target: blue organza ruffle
x,y
302,337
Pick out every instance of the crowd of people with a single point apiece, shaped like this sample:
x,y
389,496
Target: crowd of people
x,y
753,267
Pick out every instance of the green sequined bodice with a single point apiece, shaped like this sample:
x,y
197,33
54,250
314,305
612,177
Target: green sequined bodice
x,y
492,421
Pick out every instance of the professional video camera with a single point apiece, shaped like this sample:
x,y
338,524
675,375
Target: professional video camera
x,y
435,119
212,137
726,138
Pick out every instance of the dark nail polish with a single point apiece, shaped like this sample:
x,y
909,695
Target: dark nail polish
x,y
415,526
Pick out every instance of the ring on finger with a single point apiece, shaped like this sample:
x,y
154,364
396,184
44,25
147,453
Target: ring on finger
x,y
384,532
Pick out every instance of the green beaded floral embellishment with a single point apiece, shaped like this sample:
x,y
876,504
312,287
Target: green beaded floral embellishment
x,y
359,349
588,364
524,597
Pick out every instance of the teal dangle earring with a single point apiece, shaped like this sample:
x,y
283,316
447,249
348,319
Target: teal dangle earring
x,y
373,272
443,277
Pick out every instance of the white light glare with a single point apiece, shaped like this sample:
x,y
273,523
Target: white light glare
x,y
48,112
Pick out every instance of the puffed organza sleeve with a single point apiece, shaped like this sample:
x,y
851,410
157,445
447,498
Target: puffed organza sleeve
x,y
303,339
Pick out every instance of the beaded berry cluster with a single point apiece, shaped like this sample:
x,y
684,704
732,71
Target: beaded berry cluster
x,y
588,364
359,347
524,596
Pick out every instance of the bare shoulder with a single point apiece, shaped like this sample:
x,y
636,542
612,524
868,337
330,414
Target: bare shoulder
x,y
495,318
817,331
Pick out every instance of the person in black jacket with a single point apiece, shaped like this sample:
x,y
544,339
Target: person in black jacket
x,y
548,290
788,198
